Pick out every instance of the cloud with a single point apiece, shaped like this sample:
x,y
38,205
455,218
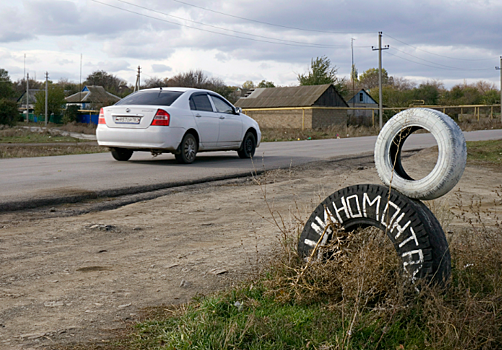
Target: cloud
x,y
161,68
109,66
446,39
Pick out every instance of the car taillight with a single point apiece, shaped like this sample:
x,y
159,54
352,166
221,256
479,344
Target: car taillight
x,y
162,118
101,119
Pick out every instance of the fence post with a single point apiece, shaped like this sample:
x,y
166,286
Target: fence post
x,y
303,119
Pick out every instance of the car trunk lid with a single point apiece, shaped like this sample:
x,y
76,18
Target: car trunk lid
x,y
130,117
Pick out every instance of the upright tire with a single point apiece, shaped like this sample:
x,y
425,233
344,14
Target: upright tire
x,y
414,231
188,150
452,153
248,146
122,154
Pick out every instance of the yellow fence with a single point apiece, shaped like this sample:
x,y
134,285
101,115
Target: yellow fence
x,y
470,110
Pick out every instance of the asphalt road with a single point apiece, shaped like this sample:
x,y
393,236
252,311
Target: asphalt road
x,y
32,182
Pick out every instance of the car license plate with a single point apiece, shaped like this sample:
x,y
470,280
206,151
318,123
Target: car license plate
x,y
127,120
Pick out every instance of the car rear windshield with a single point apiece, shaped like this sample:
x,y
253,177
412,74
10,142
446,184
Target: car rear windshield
x,y
155,98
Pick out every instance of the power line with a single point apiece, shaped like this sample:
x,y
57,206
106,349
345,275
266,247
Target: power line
x,y
435,54
268,23
439,64
428,65
277,41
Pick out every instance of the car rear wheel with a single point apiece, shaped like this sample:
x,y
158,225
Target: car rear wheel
x,y
121,154
248,146
188,150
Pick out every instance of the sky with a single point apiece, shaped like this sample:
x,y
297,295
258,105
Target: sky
x,y
453,41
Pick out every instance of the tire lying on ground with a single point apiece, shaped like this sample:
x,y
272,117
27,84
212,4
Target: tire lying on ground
x,y
414,231
452,153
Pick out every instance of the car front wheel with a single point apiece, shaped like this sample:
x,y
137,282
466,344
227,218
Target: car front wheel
x,y
121,154
248,146
188,150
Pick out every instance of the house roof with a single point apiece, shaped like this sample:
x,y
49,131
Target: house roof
x,y
92,94
363,91
31,98
296,96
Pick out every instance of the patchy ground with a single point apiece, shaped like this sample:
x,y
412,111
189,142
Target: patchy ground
x,y
69,277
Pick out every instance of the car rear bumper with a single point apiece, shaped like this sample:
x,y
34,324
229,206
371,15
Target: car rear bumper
x,y
153,137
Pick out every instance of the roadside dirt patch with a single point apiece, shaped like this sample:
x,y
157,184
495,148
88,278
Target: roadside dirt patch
x,y
70,278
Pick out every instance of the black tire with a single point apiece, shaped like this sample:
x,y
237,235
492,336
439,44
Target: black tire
x,y
188,149
248,146
121,154
414,231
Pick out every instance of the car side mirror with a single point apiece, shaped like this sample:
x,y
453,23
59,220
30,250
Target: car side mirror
x,y
238,110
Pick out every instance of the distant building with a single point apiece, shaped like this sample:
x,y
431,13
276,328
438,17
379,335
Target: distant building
x,y
92,98
32,99
363,116
295,107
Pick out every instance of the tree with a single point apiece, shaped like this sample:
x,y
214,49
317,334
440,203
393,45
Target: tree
x,y
248,84
266,84
6,86
55,100
9,113
69,87
369,79
321,72
401,84
428,92
462,95
198,79
110,82
154,82
20,86
71,114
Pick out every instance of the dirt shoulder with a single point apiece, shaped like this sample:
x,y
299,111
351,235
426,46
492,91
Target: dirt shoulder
x,y
70,277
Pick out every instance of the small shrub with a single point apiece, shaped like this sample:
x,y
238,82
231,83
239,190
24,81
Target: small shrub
x,y
71,114
8,112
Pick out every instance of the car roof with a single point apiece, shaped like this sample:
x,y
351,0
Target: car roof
x,y
180,89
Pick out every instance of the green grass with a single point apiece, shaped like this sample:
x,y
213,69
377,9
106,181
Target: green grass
x,y
264,323
485,152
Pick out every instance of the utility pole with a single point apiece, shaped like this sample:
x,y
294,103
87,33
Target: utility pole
x,y
46,95
500,69
137,85
380,105
353,73
27,97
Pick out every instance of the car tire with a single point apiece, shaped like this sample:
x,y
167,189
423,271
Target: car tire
x,y
122,154
248,146
452,153
188,150
414,231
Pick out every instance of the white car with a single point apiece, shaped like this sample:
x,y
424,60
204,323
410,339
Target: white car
x,y
182,121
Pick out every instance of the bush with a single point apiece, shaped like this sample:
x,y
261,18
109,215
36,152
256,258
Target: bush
x,y
70,114
8,112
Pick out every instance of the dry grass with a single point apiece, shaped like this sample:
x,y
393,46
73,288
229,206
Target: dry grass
x,y
81,128
362,283
288,134
44,151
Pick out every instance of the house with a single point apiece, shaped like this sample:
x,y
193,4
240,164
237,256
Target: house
x,y
92,98
300,107
32,99
364,100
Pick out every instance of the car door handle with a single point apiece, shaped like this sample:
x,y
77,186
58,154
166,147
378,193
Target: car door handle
x,y
222,117
198,115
